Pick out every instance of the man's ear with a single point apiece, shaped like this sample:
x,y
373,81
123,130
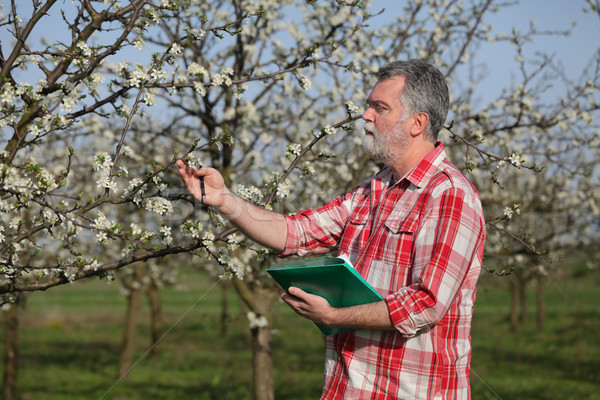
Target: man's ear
x,y
419,123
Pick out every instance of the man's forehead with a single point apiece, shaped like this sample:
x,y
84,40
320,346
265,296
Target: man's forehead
x,y
386,90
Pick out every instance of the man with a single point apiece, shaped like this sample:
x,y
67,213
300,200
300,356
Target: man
x,y
415,232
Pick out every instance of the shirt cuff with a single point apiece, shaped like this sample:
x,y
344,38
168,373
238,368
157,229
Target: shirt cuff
x,y
400,316
292,243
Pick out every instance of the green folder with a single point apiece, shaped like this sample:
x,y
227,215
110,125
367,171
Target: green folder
x,y
329,277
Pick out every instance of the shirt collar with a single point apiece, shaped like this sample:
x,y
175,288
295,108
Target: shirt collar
x,y
421,173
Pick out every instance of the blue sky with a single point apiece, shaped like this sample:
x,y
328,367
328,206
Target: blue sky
x,y
574,51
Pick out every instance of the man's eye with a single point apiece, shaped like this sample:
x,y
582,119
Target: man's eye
x,y
377,107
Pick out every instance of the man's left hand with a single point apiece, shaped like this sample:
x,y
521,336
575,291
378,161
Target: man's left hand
x,y
310,306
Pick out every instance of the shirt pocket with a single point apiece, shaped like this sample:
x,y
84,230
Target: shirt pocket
x,y
402,224
399,245
358,228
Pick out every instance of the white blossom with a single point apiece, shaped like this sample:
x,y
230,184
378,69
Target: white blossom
x,y
85,49
103,224
250,193
193,229
165,232
208,239
241,89
221,80
159,205
329,130
197,69
69,102
107,183
176,49
133,185
15,222
138,76
350,107
308,169
159,183
135,229
149,98
139,43
199,88
294,149
126,151
197,34
233,242
283,190
255,321
49,216
102,162
70,273
93,265
8,95
515,160
305,83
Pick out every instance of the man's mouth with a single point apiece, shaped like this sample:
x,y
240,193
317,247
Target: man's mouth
x,y
369,129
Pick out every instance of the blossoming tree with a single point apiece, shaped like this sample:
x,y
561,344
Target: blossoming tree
x,y
266,91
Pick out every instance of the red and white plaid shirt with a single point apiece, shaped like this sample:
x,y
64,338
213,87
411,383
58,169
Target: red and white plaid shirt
x,y
419,243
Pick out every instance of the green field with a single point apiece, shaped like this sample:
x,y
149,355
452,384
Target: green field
x,y
70,339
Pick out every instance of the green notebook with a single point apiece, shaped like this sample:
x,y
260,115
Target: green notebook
x,y
330,277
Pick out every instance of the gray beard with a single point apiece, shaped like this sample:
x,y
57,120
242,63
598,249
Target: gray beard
x,y
385,147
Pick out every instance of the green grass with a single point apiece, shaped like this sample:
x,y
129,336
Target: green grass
x,y
561,362
70,339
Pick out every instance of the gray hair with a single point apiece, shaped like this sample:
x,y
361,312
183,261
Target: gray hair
x,y
425,90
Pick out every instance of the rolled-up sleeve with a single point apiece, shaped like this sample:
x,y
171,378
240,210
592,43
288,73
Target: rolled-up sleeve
x,y
315,231
447,260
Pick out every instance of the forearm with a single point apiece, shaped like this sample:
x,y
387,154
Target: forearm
x,y
316,308
373,316
261,225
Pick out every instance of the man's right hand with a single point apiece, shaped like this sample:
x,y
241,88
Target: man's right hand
x,y
265,227
214,185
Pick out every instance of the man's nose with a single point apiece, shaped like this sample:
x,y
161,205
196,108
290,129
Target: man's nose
x,y
368,115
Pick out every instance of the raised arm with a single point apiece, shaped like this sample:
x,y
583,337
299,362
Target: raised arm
x,y
263,226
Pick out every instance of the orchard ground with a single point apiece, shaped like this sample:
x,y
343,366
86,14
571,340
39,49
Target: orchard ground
x,y
70,342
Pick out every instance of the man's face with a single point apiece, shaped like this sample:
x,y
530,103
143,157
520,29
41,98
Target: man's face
x,y
385,136
386,147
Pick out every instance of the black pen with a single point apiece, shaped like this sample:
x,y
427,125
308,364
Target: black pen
x,y
202,189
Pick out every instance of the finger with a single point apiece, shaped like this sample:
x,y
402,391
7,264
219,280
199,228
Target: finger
x,y
201,171
184,171
292,301
288,298
297,292
182,164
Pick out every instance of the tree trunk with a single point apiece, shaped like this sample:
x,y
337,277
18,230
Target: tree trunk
x,y
514,305
11,350
156,323
134,300
523,303
263,362
259,300
224,307
540,303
